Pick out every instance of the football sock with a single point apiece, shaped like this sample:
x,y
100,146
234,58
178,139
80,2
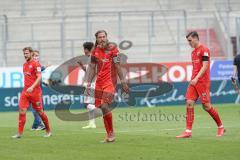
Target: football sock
x,y
21,122
189,118
214,114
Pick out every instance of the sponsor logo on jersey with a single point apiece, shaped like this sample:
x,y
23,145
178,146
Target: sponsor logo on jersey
x,y
105,60
107,52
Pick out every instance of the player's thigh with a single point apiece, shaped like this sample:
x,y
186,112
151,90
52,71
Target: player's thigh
x,y
191,93
108,94
98,95
203,90
24,101
36,101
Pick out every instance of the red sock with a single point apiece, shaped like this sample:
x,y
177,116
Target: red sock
x,y
189,118
45,121
21,122
105,120
214,114
109,120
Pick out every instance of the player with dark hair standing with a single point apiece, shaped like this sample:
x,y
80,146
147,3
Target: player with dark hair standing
x,y
199,86
89,100
236,72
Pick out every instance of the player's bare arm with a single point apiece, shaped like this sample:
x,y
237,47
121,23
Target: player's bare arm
x,y
200,73
91,72
82,66
37,81
121,77
234,71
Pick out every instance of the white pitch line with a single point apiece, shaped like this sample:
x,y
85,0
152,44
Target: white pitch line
x,y
164,129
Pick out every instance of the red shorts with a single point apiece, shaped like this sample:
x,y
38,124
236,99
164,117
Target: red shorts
x,y
35,98
200,90
104,94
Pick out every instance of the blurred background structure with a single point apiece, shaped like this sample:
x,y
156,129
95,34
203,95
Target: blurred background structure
x,y
157,28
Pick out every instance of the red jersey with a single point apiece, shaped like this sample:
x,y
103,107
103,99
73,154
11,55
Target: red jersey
x,y
106,71
30,70
197,63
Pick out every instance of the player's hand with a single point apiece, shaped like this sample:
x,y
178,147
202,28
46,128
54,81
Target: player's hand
x,y
125,87
47,65
88,88
30,89
194,81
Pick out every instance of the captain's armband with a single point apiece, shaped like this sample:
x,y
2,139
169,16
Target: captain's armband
x,y
116,59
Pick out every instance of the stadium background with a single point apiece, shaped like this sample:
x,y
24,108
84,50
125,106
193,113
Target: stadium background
x,y
156,29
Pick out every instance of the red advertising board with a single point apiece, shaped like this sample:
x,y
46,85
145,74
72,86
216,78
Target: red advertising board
x,y
145,72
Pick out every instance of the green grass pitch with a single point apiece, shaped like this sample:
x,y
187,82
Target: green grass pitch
x,y
142,133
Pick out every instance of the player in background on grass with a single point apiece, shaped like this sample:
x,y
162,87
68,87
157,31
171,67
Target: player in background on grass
x,y
88,100
199,86
236,72
31,93
105,57
37,123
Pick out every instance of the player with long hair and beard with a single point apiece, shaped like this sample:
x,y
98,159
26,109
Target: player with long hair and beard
x,y
105,57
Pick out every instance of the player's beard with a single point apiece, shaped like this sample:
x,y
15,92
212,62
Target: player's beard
x,y
27,58
103,44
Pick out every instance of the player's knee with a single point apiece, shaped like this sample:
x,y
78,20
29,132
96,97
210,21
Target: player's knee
x,y
40,112
189,103
206,106
22,111
105,109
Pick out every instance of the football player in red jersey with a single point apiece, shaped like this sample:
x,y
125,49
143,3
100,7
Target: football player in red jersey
x,y
31,93
105,57
199,86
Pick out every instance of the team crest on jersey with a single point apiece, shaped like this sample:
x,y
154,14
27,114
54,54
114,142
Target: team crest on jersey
x,y
204,94
30,66
107,51
198,53
38,103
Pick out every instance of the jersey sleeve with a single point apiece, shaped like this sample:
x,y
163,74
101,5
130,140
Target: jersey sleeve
x,y
116,56
114,50
205,53
37,68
